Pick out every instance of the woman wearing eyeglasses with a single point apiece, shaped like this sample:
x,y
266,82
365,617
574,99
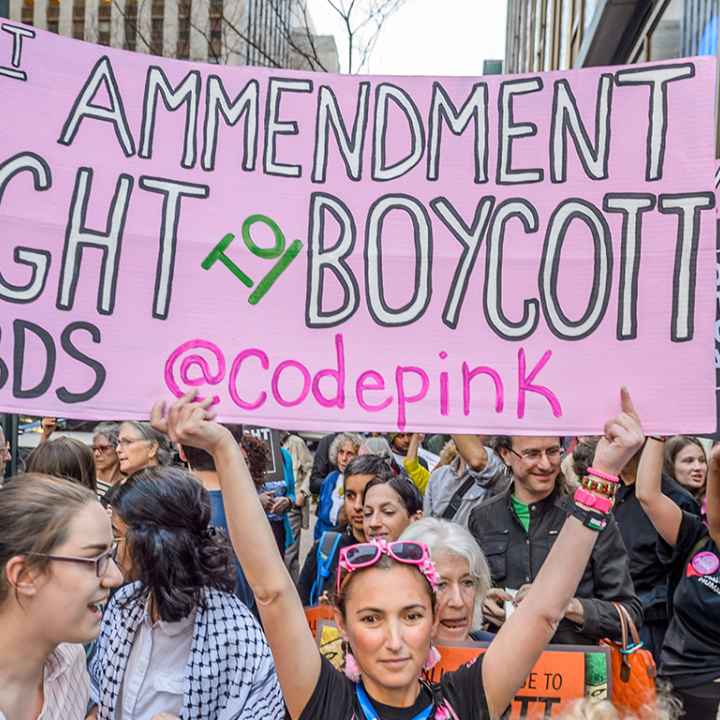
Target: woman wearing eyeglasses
x,y
176,639
107,463
386,607
56,572
139,445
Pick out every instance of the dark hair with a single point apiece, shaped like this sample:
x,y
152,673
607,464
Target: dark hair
x,y
409,494
384,563
673,448
583,455
370,465
202,460
36,512
175,553
66,458
258,457
502,442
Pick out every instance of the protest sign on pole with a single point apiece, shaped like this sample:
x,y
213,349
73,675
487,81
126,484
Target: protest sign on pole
x,y
311,250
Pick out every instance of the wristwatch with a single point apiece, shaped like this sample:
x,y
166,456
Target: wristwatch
x,y
590,518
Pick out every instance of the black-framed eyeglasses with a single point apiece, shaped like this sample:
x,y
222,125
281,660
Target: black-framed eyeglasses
x,y
534,455
101,562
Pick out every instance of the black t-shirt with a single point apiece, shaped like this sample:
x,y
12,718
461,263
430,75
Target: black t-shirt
x,y
334,697
649,574
691,653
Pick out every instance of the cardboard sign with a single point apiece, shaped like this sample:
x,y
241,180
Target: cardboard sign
x,y
562,674
495,254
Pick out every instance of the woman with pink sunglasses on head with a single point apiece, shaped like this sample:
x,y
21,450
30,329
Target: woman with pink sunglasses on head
x,y
386,607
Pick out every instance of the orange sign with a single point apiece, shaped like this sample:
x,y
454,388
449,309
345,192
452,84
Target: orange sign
x,y
557,679
315,614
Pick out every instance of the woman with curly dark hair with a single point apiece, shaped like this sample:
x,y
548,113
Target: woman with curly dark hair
x,y
276,496
176,639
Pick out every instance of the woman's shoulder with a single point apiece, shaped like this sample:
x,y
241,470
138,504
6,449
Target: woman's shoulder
x,y
463,690
230,613
333,696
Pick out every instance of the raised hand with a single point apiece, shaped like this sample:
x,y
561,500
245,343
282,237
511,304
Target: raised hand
x,y
623,438
190,423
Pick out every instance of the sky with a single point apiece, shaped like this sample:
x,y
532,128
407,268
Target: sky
x,y
422,39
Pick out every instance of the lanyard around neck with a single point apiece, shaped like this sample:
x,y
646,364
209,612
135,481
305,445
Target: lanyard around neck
x,y
370,712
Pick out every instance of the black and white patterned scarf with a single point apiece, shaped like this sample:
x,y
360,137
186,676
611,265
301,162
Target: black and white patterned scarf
x,y
230,660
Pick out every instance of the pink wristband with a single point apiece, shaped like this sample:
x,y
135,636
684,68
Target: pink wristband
x,y
603,475
592,501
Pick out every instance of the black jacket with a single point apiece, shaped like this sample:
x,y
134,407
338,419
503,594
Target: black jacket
x,y
515,558
321,463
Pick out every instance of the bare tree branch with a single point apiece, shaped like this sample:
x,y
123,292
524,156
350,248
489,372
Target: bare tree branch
x,y
361,22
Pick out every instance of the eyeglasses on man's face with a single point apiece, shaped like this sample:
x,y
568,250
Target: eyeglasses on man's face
x,y
534,455
101,562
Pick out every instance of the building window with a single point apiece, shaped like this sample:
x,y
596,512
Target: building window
x,y
184,17
700,28
565,34
215,17
78,19
157,25
104,21
131,19
549,58
28,12
53,15
665,40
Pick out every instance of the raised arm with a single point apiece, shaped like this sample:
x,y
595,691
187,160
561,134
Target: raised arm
x,y
297,659
472,450
521,640
418,474
664,514
713,495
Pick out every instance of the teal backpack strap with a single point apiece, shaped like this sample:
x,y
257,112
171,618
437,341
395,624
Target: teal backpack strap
x,y
326,552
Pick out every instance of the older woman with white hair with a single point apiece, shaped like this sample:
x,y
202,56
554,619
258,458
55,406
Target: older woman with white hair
x,y
464,578
344,448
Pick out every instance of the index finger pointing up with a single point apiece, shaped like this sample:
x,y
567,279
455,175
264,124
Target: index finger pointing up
x,y
626,403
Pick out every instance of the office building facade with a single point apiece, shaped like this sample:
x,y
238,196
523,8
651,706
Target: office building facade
x,y
236,32
563,34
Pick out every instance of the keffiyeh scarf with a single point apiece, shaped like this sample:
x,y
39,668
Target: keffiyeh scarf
x,y
230,661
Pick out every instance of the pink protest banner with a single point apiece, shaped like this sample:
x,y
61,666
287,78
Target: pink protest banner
x,y
491,254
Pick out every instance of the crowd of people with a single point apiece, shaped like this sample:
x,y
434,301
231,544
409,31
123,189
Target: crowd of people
x,y
158,573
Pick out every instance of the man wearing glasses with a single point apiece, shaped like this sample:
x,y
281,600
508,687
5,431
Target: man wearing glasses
x,y
516,531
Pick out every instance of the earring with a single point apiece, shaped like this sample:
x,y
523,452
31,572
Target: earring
x,y
352,669
433,658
